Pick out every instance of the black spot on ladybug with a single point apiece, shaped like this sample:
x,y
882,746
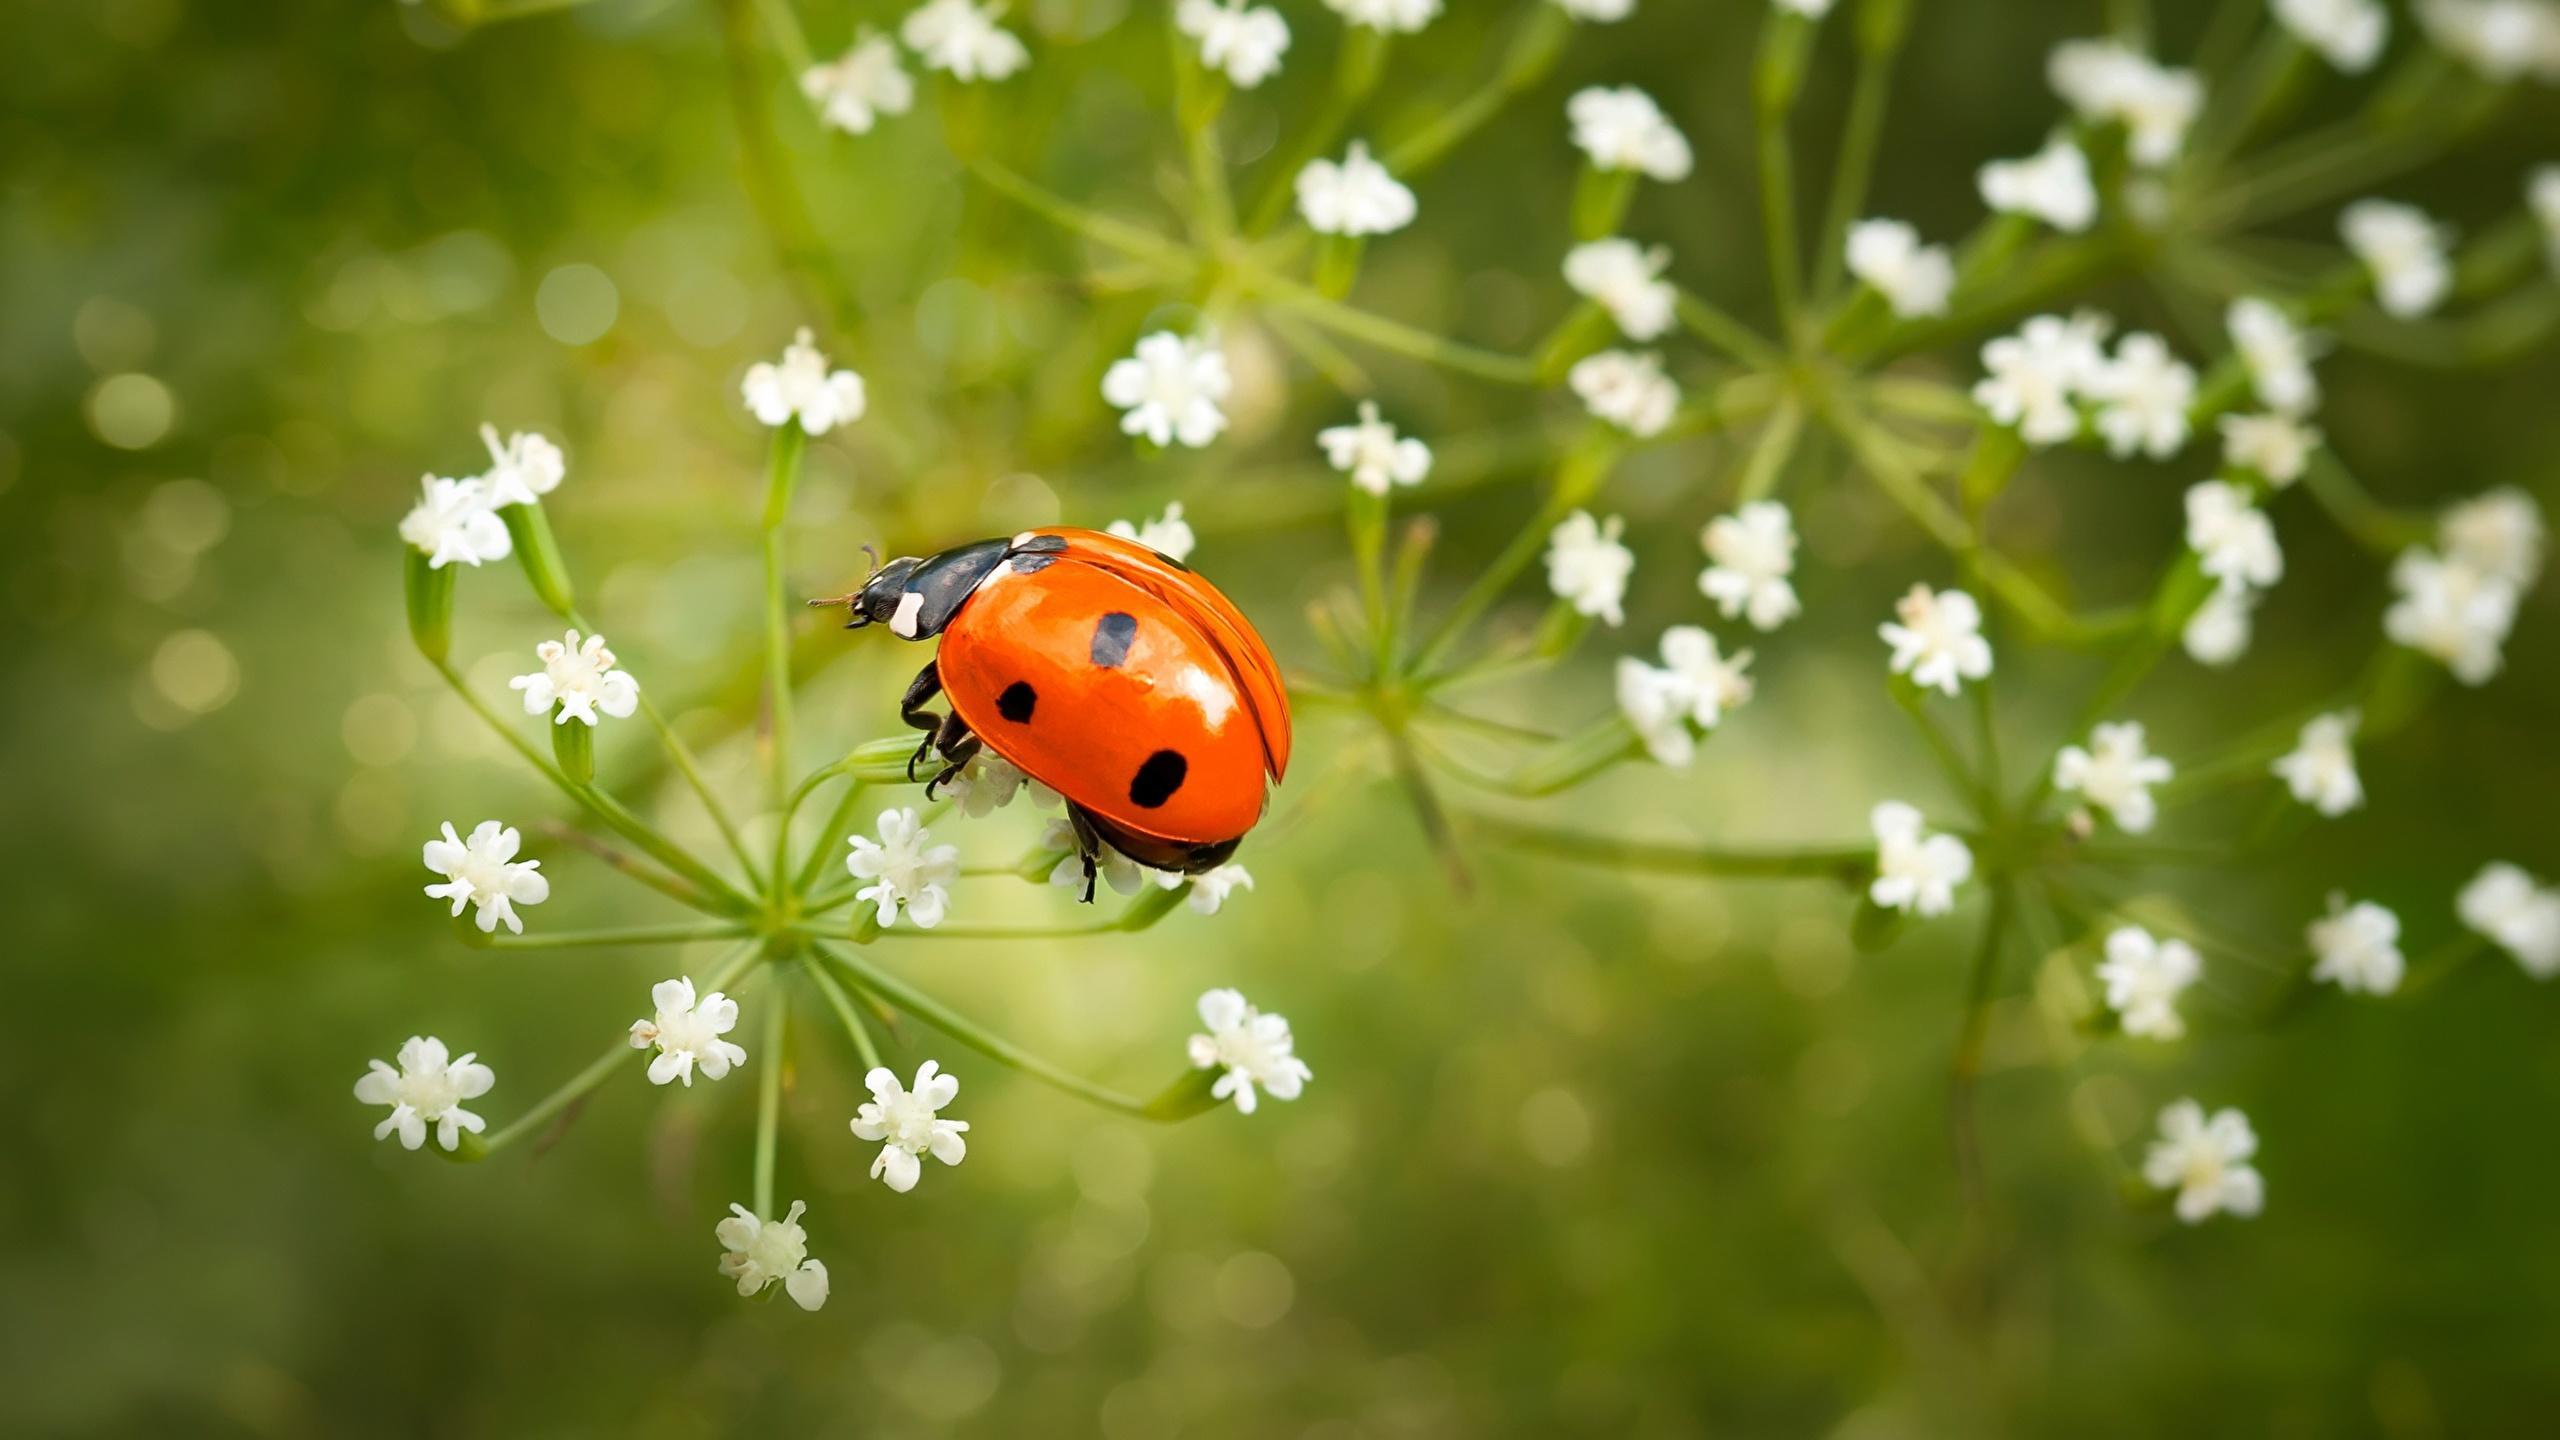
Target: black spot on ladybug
x,y
1042,545
1111,636
1031,564
1016,702
1159,778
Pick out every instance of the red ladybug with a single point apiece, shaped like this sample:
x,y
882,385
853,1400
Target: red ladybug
x,y
1105,671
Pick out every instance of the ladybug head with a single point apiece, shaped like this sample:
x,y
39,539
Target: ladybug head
x,y
876,603
916,597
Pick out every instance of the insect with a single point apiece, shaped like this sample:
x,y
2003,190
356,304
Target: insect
x,y
1105,671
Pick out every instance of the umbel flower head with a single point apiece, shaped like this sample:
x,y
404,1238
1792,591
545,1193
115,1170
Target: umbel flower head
x,y
2218,633
2452,611
962,40
1750,554
427,1089
2144,976
1628,389
2347,33
1170,389
578,677
904,869
989,783
854,90
1625,279
523,467
908,1123
2143,395
2321,769
1255,1050
2206,1162
800,387
2517,911
1354,196
1386,16
2233,539
454,523
2115,774
1620,128
2277,447
2106,81
1915,870
2036,375
1167,534
2052,185
686,1032
2277,353
761,1251
1245,42
2406,251
1936,637
1914,279
1588,568
2498,535
2358,947
1689,693
1371,453
483,871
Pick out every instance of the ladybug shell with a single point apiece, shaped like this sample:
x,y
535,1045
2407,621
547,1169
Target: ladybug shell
x,y
1123,681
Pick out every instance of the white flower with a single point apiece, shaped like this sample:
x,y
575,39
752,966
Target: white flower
x,y
2498,534
1246,43
1353,197
1168,534
904,870
453,521
2051,185
1694,687
865,83
2321,770
2278,354
1386,16
802,387
1124,875
2358,946
1371,453
687,1033
2347,33
578,676
523,467
484,871
2502,39
2543,195
2510,907
1625,278
989,782
1936,637
427,1089
909,1124
2035,375
1628,389
1210,888
2144,975
1809,9
763,1251
2278,447
2404,249
1620,128
2232,536
2218,633
1915,279
2143,395
1915,870
2451,611
2115,774
1587,566
1253,1048
2206,1162
1750,554
1599,12
963,39
1170,390
2106,81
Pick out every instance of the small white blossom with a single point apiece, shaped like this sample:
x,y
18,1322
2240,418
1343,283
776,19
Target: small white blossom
x,y
2498,534
1388,17
2106,81
2115,774
2206,1162
2232,536
2451,611
1353,196
1170,389
2520,913
1372,454
989,782
2348,33
2504,40
577,676
2036,375
427,1089
1914,279
1124,875
1246,42
2144,975
1625,279
904,869
1254,1049
484,871
1628,389
2543,196
2278,447
2406,251
1210,888
2321,770
854,90
523,467
2218,633
1750,555
1668,707
686,1032
2052,185
762,1251
910,1125
1588,567
2358,947
1915,870
1598,12
453,522
2143,395
1620,128
1936,637
801,387
2278,354
1168,534
1809,9
963,40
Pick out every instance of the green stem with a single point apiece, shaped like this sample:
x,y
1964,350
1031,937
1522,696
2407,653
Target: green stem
x,y
1721,330
1130,240
782,476
1882,24
630,935
769,1098
1847,864
846,1013
1391,335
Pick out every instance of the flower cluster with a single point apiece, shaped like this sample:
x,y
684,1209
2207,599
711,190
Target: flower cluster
x,y
458,521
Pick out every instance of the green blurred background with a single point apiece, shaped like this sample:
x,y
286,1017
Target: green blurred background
x,y
1584,1154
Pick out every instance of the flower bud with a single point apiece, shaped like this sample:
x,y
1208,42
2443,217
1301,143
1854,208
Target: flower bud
x,y
430,593
530,528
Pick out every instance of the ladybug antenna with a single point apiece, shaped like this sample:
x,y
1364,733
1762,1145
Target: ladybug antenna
x,y
873,555
852,600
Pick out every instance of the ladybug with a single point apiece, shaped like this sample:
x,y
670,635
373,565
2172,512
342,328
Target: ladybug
x,y
1103,669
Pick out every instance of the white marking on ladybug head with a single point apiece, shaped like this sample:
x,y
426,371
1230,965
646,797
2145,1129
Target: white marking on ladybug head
x,y
1023,539
1215,697
910,608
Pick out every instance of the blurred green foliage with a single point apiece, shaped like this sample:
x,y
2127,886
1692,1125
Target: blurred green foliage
x,y
1585,1153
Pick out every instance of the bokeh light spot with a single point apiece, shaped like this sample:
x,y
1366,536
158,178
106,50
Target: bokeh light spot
x,y
195,671
577,304
132,411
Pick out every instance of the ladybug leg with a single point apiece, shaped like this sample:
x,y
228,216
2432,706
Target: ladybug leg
x,y
957,751
1088,846
920,693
